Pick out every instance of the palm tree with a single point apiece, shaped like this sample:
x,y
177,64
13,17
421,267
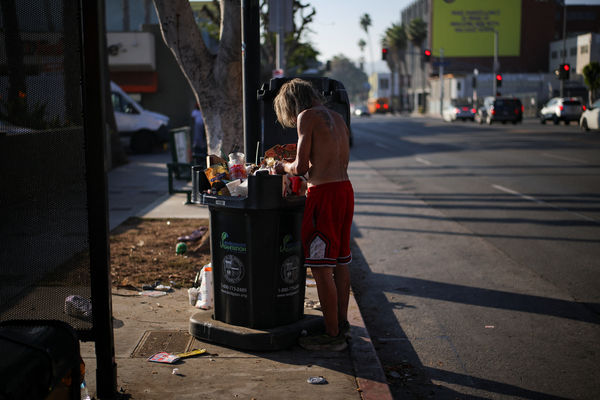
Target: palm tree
x,y
416,33
361,46
395,40
365,23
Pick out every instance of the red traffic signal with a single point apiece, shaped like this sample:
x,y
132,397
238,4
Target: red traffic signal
x,y
498,80
427,55
563,71
384,52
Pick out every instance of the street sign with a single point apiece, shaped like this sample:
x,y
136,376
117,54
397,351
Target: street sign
x,y
280,16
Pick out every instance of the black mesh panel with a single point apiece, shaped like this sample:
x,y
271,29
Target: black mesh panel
x,y
44,257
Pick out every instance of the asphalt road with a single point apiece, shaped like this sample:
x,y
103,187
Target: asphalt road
x,y
477,256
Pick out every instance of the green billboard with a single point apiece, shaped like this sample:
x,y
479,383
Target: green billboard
x,y
465,28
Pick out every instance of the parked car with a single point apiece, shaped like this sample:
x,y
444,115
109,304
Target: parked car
x,y
590,118
463,111
564,109
140,130
500,109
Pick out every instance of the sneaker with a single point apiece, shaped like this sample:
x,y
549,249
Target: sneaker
x,y
323,342
345,329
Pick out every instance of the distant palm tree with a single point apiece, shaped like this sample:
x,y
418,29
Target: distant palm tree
x,y
365,23
395,40
361,46
416,33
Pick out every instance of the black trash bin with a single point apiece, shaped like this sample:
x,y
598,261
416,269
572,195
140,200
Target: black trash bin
x,y
258,265
333,92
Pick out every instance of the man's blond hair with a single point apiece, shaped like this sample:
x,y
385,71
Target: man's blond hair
x,y
294,97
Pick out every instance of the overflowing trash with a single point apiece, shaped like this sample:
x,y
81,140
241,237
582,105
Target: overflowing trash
x,y
230,177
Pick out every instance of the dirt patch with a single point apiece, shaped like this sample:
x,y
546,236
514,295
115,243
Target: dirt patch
x,y
143,251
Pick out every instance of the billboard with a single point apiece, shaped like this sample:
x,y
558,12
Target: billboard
x,y
465,28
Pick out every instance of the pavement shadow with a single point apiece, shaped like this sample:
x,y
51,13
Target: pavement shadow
x,y
408,377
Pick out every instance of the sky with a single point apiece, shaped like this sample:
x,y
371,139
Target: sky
x,y
337,27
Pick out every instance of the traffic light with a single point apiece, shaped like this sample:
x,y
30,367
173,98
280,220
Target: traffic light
x,y
384,52
498,80
427,55
564,71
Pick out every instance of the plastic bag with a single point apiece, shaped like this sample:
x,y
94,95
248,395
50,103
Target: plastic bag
x,y
205,297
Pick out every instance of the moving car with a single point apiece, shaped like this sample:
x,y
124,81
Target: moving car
x,y
500,109
463,111
362,111
590,118
558,109
379,105
140,130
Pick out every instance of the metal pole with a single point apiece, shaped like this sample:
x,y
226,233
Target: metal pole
x,y
495,87
92,25
564,52
250,73
442,82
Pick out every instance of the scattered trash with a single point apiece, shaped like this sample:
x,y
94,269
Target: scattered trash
x,y
163,288
317,380
164,357
194,236
153,293
175,371
311,283
394,374
205,297
191,353
78,306
181,248
193,293
316,305
490,327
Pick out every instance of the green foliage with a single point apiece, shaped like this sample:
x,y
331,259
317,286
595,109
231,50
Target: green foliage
x,y
365,22
354,80
417,31
300,55
591,76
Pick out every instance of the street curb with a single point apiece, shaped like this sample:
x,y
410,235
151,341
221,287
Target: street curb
x,y
370,377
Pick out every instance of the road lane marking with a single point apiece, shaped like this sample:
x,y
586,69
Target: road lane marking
x,y
382,145
423,161
564,158
542,202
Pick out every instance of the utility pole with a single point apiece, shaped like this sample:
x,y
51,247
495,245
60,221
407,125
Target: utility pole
x,y
496,64
564,51
442,82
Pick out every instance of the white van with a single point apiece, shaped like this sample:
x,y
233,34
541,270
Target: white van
x,y
140,130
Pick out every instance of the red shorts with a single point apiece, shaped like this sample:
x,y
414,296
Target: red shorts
x,y
326,224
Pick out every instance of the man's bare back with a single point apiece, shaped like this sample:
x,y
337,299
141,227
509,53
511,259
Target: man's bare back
x,y
323,146
329,150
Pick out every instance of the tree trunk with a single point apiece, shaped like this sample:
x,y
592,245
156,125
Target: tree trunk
x,y
216,79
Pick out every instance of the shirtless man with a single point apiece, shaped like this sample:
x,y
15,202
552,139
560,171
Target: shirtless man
x,y
322,154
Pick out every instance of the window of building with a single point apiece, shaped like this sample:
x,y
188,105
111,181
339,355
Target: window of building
x,y
384,83
554,54
584,49
458,85
573,51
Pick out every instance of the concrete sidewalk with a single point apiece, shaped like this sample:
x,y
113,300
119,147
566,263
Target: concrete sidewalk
x,y
146,325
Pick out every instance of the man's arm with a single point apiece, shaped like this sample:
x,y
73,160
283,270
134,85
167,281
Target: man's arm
x,y
301,164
